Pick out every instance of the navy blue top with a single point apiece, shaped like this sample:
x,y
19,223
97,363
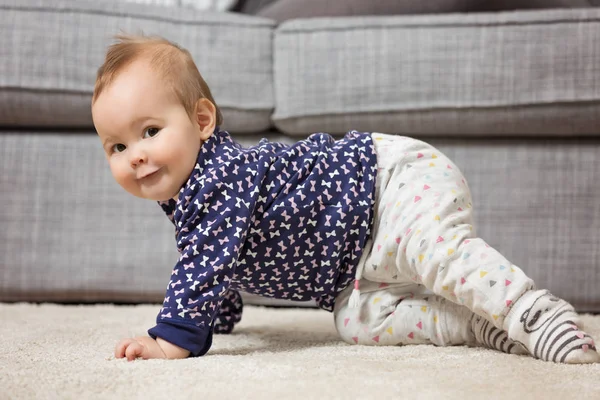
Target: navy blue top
x,y
278,220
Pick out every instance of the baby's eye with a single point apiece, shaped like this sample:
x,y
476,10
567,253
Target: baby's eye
x,y
119,148
150,132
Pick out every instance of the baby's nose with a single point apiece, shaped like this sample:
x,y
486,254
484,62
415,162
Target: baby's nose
x,y
138,159
137,154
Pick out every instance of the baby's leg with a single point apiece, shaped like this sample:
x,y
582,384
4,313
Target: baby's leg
x,y
424,233
395,315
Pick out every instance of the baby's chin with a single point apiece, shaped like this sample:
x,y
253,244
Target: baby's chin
x,y
157,196
162,190
165,197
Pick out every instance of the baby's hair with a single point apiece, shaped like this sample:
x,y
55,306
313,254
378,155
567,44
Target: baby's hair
x,y
173,63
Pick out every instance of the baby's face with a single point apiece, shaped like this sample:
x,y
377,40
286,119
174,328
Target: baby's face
x,y
150,142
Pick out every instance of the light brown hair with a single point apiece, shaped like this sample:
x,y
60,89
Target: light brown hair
x,y
174,64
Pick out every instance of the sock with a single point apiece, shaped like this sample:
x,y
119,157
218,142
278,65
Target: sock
x,y
487,335
549,328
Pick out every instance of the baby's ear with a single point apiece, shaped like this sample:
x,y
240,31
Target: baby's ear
x,y
206,118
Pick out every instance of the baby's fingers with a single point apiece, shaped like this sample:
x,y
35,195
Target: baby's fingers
x,y
134,350
122,346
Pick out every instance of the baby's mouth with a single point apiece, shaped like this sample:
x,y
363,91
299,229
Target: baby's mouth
x,y
149,175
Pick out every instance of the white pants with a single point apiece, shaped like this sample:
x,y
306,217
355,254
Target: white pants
x,y
424,271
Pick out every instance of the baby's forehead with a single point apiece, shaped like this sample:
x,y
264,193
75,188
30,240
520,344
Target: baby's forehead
x,y
141,82
125,106
140,68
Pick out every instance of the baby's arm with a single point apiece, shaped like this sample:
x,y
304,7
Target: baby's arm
x,y
146,348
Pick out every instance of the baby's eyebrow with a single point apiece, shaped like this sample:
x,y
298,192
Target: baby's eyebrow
x,y
109,139
138,121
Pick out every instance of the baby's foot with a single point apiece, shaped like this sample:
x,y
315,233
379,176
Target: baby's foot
x,y
548,327
487,335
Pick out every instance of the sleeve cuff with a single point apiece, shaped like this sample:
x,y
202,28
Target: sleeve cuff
x,y
190,337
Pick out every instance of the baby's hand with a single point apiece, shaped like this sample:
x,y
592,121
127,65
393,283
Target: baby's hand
x,y
144,347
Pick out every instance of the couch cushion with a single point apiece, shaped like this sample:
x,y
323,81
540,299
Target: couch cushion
x,y
283,10
50,54
525,72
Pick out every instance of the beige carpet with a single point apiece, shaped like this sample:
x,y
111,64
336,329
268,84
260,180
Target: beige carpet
x,y
65,352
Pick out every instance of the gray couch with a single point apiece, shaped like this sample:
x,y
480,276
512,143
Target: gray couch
x,y
512,97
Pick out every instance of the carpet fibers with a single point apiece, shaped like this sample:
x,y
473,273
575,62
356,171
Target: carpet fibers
x,y
53,351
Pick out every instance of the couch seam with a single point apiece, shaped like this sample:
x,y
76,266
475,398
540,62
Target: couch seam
x,y
285,31
257,25
441,108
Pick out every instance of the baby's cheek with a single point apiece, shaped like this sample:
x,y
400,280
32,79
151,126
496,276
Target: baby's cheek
x,y
182,151
123,177
183,159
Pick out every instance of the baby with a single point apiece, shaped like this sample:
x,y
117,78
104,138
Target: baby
x,y
376,228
